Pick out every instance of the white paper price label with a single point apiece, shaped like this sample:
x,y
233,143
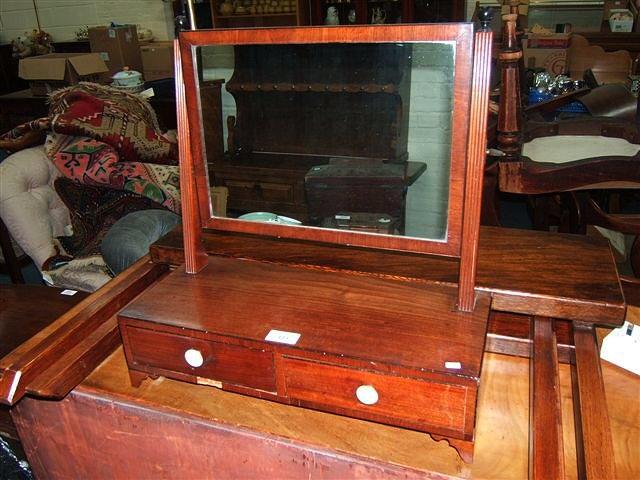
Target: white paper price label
x,y
279,336
68,292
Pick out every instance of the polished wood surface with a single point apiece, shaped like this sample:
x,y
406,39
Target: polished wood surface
x,y
27,309
510,114
167,426
475,168
594,439
24,311
355,331
195,256
546,451
51,362
361,317
528,272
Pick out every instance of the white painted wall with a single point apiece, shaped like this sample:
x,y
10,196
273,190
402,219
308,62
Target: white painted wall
x,y
61,18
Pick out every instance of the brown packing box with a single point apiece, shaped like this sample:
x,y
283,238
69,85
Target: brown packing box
x,y
118,47
157,60
547,51
56,70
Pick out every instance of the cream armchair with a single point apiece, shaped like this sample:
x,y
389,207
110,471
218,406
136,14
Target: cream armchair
x,y
29,206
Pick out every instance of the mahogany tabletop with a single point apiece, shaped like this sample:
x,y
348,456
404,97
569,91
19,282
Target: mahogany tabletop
x,y
573,277
166,424
27,309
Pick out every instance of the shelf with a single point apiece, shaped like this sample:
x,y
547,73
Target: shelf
x,y
312,87
257,15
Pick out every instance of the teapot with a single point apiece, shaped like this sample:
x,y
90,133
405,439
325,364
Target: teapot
x,y
378,15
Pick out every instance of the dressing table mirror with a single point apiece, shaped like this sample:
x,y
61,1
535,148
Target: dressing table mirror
x,y
364,138
370,137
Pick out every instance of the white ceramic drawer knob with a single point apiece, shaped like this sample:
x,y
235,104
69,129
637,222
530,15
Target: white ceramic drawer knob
x,y
367,394
193,357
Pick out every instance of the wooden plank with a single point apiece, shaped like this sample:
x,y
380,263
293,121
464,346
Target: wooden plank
x,y
198,449
475,168
195,257
50,346
594,442
575,276
509,334
546,454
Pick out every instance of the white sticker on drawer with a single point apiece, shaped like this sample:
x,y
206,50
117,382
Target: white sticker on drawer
x,y
278,336
453,365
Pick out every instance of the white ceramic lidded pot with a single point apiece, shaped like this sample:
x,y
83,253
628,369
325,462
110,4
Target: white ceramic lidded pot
x,y
128,80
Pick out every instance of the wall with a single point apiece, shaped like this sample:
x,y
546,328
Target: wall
x,y
61,18
431,103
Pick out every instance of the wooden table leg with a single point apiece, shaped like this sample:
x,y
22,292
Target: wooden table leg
x,y
546,454
594,444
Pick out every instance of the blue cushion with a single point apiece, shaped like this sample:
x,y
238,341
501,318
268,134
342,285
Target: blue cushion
x,y
130,237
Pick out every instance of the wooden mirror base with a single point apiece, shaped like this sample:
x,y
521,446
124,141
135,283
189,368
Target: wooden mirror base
x,y
388,351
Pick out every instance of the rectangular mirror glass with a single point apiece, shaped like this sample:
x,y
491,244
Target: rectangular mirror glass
x,y
342,136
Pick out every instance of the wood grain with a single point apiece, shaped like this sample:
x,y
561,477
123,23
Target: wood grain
x,y
575,276
546,451
226,363
371,319
132,424
405,401
475,168
594,442
70,339
24,311
510,113
194,254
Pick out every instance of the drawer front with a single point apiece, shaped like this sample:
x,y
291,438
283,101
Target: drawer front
x,y
259,191
415,403
202,358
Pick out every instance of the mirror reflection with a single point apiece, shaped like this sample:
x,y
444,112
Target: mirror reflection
x,y
342,136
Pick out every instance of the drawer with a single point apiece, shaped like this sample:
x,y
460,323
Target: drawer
x,y
259,191
212,360
402,401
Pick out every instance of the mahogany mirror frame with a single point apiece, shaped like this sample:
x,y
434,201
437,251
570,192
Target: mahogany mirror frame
x,y
468,141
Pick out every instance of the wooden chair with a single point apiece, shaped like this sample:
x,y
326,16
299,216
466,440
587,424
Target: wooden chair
x,y
544,158
569,168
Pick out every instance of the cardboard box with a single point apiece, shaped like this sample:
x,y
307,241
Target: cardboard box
x,y
118,47
621,20
157,60
547,51
56,70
